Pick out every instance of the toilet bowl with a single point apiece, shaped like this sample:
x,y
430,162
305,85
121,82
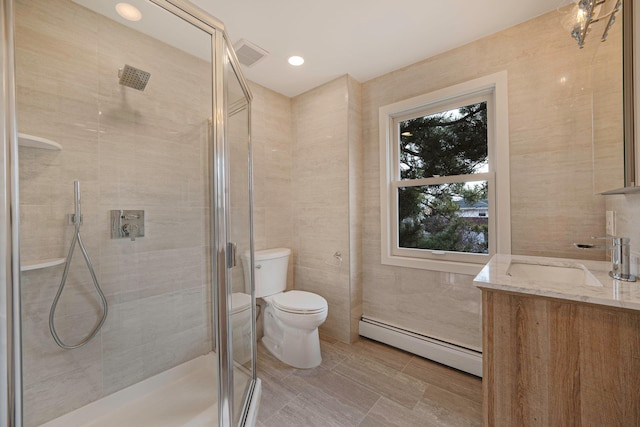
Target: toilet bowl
x,y
290,319
241,327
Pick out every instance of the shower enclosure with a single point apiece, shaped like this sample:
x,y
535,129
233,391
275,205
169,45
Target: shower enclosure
x,y
151,120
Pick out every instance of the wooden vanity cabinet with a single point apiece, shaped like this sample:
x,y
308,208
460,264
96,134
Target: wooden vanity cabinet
x,y
557,363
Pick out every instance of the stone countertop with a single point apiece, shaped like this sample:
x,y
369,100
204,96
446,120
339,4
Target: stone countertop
x,y
603,290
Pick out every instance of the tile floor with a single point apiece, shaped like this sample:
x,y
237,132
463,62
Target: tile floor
x,y
366,384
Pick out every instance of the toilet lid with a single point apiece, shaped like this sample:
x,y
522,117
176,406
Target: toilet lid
x,y
240,302
300,302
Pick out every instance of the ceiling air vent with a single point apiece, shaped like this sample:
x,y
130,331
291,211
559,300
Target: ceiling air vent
x,y
248,53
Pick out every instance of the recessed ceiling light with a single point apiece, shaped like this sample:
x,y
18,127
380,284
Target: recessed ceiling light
x,y
128,12
296,61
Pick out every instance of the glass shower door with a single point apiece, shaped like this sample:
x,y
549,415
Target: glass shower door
x,y
132,111
238,154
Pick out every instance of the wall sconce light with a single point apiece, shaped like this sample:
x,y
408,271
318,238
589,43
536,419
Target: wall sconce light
x,y
588,12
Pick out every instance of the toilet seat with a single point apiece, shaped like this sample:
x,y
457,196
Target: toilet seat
x,y
299,302
240,302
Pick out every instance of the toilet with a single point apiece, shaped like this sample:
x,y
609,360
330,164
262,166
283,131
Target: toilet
x,y
290,319
241,327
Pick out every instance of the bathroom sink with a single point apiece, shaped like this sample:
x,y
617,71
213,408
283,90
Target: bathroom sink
x,y
575,274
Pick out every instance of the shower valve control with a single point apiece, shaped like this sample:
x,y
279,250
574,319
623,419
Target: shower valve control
x,y
127,224
71,219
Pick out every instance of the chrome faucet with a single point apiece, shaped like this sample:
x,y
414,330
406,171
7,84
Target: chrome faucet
x,y
130,230
620,256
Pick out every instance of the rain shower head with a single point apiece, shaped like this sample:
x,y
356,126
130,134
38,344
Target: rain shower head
x,y
133,77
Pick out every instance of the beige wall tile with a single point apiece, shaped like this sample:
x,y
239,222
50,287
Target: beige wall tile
x,y
320,197
627,209
271,134
356,202
295,142
553,200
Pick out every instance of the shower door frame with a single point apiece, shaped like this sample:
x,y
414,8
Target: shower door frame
x,y
10,328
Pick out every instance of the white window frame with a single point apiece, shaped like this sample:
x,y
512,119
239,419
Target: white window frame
x,y
492,88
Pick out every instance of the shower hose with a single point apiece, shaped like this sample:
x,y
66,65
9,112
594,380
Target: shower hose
x,y
77,239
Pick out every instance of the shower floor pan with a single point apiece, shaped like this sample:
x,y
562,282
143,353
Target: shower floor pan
x,y
179,397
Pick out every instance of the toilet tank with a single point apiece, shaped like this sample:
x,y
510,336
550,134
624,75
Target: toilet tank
x,y
271,267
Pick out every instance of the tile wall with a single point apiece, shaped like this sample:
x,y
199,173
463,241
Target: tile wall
x,y
322,184
356,202
627,213
553,200
130,150
559,160
308,173
272,141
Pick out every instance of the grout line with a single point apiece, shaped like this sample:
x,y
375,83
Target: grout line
x,y
406,365
370,409
282,407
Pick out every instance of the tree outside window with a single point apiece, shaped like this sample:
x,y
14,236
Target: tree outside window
x,y
447,147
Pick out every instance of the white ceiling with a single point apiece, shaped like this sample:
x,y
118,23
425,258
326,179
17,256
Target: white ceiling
x,y
364,38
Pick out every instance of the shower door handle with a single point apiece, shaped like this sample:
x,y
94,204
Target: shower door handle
x,y
231,254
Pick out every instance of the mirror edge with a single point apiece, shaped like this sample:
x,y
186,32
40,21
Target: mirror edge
x,y
630,70
631,81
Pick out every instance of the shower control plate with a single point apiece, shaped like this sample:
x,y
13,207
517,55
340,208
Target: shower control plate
x,y
127,224
71,219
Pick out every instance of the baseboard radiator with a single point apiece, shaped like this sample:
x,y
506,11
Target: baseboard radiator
x,y
448,354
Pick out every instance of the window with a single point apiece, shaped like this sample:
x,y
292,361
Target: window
x,y
445,179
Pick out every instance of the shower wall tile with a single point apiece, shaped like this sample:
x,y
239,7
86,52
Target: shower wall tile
x,y
59,394
123,366
173,350
131,274
130,150
37,341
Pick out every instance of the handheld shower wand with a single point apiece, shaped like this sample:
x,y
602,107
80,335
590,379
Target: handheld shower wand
x,y
77,219
76,201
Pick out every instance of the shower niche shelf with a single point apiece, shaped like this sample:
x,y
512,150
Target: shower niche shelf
x,y
41,263
26,140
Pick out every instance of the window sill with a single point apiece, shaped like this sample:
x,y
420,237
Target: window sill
x,y
468,268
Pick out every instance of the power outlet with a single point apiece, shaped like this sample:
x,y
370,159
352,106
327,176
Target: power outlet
x,y
611,223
